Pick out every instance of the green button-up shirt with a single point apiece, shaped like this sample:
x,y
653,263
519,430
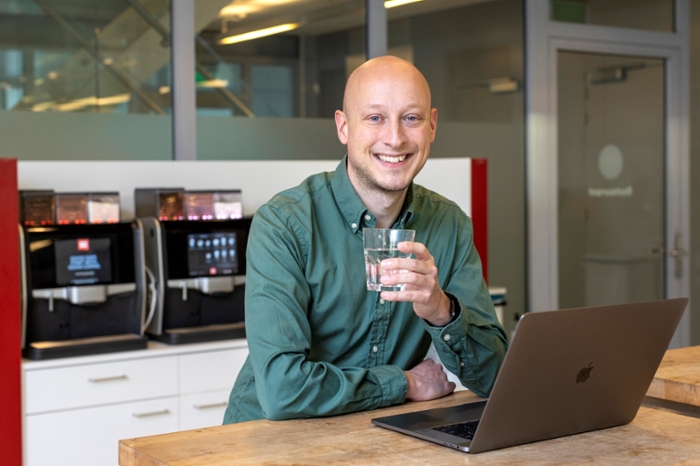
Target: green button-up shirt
x,y
320,343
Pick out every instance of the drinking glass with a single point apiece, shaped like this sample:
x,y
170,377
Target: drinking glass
x,y
380,244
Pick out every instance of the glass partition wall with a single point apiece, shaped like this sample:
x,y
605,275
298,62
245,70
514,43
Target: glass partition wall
x,y
77,56
62,60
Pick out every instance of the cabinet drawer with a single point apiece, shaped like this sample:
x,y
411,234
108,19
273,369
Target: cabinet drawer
x,y
203,409
90,437
102,383
211,370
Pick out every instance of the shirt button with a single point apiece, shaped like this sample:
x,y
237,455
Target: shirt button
x,y
446,337
354,225
368,218
461,364
381,301
375,349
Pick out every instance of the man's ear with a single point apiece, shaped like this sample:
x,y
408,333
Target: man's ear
x,y
433,123
341,123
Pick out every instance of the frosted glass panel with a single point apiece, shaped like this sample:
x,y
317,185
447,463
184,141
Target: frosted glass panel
x,y
84,136
611,179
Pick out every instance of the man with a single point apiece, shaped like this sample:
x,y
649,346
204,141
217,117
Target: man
x,y
320,343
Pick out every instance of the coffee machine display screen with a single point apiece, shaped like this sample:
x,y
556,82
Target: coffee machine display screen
x,y
212,254
83,261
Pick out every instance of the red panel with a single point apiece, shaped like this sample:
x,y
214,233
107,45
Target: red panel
x,y
480,211
10,354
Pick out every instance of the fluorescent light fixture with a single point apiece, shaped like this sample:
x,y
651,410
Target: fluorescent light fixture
x,y
259,33
213,83
237,10
82,103
394,3
503,85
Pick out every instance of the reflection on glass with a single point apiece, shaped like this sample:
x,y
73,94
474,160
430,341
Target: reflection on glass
x,y
611,179
471,55
110,56
656,15
277,59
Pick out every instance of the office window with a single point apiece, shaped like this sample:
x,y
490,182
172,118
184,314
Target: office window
x,y
272,90
63,58
73,56
299,72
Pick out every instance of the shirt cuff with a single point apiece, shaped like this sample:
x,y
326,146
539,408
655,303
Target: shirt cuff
x,y
393,384
452,333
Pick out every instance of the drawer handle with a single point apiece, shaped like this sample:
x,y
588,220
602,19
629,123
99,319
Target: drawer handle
x,y
223,404
107,379
152,413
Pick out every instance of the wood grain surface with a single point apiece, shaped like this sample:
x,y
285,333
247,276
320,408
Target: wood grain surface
x,y
678,377
654,438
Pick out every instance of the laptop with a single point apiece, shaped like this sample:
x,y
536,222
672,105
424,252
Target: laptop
x,y
566,372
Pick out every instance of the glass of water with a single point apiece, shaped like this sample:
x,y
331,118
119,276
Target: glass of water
x,y
380,244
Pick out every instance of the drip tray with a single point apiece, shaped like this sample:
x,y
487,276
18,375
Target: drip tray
x,y
39,350
204,333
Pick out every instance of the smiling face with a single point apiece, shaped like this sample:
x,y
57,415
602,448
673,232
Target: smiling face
x,y
387,124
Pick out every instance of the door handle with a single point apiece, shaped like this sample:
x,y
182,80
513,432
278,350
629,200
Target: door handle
x,y
678,253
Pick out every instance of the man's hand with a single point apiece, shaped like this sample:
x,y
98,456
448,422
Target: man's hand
x,y
422,288
427,381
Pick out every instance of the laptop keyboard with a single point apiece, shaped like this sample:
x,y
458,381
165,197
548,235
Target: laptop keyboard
x,y
465,430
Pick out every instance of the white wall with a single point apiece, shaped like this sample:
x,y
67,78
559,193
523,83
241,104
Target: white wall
x,y
258,180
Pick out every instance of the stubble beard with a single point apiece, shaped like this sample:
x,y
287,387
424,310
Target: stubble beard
x,y
370,185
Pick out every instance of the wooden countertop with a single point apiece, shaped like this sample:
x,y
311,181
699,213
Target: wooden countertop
x,y
678,377
654,437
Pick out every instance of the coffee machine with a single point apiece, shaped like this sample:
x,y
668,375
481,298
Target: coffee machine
x,y
83,284
83,289
195,244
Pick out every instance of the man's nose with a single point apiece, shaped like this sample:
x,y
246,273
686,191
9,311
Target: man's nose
x,y
395,134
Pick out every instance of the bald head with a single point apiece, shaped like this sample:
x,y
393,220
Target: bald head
x,y
388,125
385,70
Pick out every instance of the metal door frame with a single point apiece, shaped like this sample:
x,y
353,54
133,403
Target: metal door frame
x,y
544,38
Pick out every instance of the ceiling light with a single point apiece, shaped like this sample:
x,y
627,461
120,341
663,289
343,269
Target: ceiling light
x,y
213,83
78,104
394,3
259,33
237,10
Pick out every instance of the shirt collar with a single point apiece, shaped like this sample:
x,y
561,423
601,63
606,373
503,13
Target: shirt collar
x,y
351,207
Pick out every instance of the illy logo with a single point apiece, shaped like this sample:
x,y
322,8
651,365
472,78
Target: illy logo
x,y
584,374
83,244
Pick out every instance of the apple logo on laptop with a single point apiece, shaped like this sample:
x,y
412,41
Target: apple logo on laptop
x,y
584,373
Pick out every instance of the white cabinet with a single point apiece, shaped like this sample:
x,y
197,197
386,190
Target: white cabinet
x,y
205,384
203,409
89,437
98,384
77,409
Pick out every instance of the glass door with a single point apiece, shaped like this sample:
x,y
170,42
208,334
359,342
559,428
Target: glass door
x,y
611,207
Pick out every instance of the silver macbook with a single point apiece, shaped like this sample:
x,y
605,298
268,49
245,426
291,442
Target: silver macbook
x,y
566,372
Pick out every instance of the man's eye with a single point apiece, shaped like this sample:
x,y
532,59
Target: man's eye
x,y
412,118
374,118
